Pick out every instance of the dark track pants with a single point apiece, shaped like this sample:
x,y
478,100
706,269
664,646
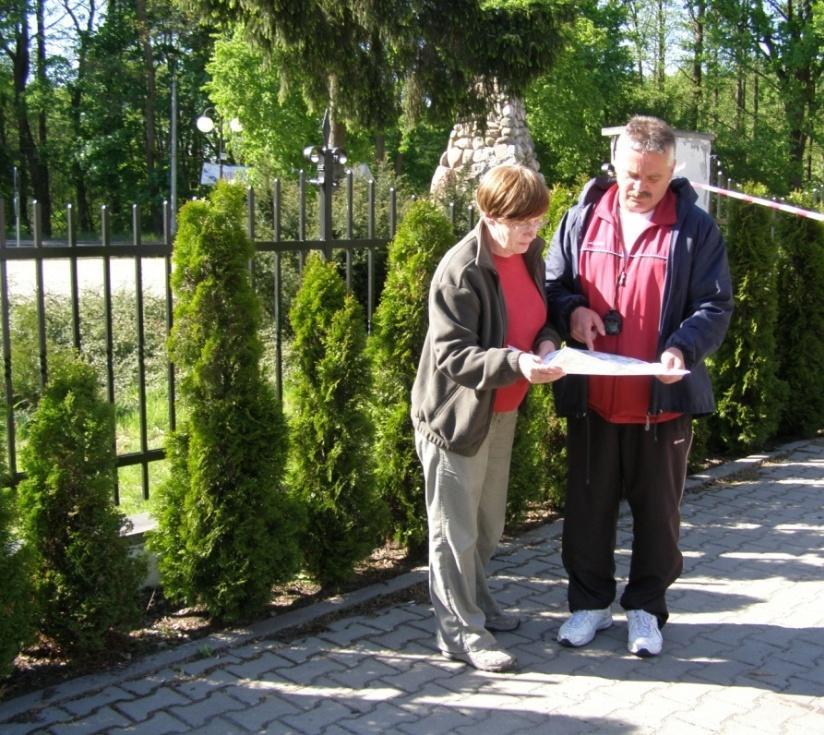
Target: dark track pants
x,y
647,466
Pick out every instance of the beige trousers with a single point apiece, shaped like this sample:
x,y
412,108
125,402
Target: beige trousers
x,y
466,507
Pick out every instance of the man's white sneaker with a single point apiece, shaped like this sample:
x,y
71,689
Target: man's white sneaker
x,y
581,627
487,659
644,638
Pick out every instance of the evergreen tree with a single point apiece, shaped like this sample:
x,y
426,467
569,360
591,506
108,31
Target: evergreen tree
x,y
330,463
85,580
227,530
399,328
750,393
800,315
16,600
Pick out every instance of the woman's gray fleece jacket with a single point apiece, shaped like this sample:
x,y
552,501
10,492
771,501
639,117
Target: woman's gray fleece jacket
x,y
464,357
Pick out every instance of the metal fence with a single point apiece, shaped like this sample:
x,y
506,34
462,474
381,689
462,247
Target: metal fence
x,y
106,249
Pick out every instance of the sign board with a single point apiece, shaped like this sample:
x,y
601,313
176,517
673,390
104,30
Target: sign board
x,y
211,172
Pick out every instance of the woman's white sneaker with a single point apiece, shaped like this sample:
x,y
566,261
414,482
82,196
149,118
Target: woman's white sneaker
x,y
581,627
644,638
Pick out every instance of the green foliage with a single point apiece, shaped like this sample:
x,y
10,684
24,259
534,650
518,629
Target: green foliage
x,y
330,467
561,198
373,61
16,594
227,530
750,392
538,469
24,335
584,91
276,122
85,580
801,319
398,332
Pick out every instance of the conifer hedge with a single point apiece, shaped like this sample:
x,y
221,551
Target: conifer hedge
x,y
16,594
330,468
85,581
398,331
800,327
750,393
226,527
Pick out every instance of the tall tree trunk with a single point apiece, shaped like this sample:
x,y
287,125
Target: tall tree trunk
x,y
83,27
697,12
41,183
661,33
149,110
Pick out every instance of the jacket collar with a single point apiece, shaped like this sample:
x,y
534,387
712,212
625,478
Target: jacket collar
x,y
680,187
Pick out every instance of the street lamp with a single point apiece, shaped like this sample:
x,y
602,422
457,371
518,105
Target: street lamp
x,y
326,158
206,124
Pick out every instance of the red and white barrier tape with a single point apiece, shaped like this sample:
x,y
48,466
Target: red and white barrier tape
x,y
764,202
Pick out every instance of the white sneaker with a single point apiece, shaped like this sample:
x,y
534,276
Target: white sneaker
x,y
486,659
581,627
644,638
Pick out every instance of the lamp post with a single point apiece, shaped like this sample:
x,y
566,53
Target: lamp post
x,y
206,124
326,158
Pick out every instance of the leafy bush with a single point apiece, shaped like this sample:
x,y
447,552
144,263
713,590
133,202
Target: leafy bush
x,y
59,335
16,600
86,583
745,368
800,316
226,527
538,470
330,431
399,328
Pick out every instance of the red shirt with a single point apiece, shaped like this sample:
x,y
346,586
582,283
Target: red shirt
x,y
630,278
526,315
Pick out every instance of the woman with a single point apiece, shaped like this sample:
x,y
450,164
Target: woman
x,y
488,333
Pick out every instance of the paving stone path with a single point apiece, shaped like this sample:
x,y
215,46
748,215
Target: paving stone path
x,y
743,651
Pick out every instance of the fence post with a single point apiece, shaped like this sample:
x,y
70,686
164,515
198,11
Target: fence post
x,y
301,215
141,349
106,241
40,297
277,295
370,257
170,367
75,291
350,226
11,446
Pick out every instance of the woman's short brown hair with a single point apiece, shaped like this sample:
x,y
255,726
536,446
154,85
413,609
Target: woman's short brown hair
x,y
512,191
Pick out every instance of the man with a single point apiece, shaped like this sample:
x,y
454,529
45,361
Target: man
x,y
636,268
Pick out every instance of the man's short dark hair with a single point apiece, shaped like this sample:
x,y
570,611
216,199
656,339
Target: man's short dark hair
x,y
648,134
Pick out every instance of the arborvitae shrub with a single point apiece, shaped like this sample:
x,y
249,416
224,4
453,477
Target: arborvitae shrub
x,y
331,459
538,468
16,594
398,331
85,580
226,527
745,369
800,326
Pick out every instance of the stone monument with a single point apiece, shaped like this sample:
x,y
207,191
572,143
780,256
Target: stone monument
x,y
471,151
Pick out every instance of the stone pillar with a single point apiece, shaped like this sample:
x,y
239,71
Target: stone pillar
x,y
471,152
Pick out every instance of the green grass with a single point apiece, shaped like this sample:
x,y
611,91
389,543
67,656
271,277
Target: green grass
x,y
130,479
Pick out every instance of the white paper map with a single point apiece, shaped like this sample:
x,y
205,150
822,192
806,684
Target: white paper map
x,y
589,362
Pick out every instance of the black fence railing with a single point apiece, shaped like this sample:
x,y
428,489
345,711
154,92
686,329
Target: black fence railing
x,y
109,251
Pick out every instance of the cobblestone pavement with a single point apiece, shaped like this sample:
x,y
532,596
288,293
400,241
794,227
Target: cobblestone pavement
x,y
743,651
